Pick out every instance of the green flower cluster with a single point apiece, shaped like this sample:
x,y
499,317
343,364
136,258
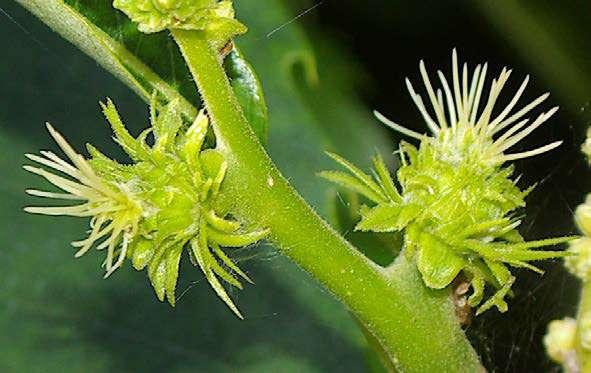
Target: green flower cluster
x,y
158,15
149,211
456,217
457,203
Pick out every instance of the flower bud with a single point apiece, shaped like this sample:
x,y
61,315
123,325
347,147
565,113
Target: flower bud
x,y
157,15
560,339
579,263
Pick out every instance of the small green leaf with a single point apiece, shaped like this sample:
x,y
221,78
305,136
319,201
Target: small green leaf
x,y
385,179
143,250
223,225
382,218
249,92
157,275
199,248
541,243
362,176
351,182
228,262
437,263
513,236
478,283
236,240
518,251
103,163
166,126
194,137
219,270
172,272
506,280
130,145
212,162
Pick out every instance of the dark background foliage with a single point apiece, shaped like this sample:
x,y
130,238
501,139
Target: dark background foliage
x,y
57,314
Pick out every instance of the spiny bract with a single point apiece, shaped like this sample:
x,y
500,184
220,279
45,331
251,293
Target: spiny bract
x,y
457,202
158,15
150,210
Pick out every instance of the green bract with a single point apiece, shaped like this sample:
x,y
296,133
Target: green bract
x,y
153,208
457,202
158,15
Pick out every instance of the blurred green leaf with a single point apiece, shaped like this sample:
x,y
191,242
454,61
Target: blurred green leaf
x,y
249,92
88,27
549,38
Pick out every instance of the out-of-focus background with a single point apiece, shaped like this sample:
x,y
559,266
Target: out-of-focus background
x,y
325,65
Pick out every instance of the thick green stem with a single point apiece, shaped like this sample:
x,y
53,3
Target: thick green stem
x,y
416,326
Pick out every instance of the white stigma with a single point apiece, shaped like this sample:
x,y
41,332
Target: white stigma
x,y
114,215
462,106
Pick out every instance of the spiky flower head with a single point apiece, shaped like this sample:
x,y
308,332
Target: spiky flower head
x,y
157,15
149,211
457,203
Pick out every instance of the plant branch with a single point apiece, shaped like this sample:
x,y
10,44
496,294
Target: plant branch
x,y
416,326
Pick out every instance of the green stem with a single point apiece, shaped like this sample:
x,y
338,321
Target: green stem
x,y
416,326
583,337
